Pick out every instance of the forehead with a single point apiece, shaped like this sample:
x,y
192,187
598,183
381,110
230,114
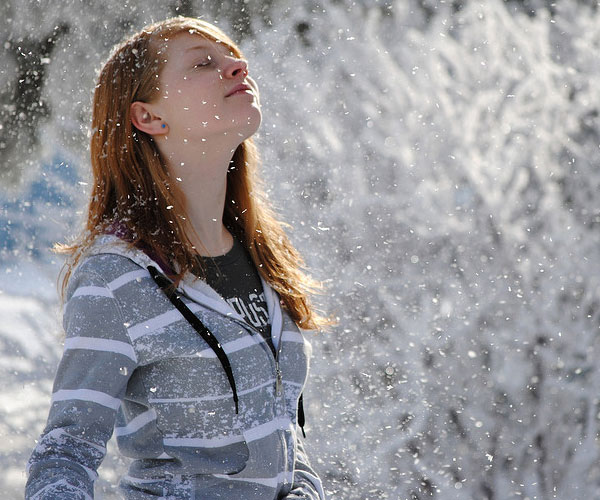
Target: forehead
x,y
185,45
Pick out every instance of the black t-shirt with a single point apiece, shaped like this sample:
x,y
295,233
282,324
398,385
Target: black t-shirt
x,y
235,277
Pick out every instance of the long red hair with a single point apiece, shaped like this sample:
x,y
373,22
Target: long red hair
x,y
132,187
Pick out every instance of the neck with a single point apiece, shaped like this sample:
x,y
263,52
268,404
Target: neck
x,y
201,173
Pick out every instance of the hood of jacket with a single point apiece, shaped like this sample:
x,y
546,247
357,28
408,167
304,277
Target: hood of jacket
x,y
192,286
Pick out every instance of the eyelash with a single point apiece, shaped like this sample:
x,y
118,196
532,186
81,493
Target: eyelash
x,y
204,63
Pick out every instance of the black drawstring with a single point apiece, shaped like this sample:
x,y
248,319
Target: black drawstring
x,y
301,415
167,286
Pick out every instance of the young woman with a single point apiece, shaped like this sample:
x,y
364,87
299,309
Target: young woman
x,y
184,295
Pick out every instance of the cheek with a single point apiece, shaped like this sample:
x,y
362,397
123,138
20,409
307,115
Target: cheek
x,y
201,99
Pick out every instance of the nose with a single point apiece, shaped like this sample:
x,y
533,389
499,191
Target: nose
x,y
236,68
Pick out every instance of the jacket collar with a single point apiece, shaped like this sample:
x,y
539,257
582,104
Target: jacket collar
x,y
195,288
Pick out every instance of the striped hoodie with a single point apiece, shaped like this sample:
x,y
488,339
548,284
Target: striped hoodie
x,y
133,365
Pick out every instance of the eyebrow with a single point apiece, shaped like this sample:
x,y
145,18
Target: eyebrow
x,y
207,46
198,47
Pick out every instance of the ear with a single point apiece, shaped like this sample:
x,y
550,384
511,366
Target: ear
x,y
144,119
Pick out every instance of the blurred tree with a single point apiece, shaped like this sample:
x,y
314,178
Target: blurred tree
x,y
22,106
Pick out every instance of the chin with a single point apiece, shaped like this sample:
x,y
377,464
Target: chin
x,y
251,125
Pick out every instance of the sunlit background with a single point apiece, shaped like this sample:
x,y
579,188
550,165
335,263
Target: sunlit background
x,y
439,163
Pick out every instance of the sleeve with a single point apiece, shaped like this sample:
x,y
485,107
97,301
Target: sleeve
x,y
307,484
90,382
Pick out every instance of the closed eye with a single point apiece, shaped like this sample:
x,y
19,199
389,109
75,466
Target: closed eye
x,y
203,63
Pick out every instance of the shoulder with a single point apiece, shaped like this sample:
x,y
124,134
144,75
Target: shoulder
x,y
109,275
106,261
92,307
109,265
106,293
102,270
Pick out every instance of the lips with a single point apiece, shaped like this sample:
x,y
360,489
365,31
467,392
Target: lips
x,y
242,87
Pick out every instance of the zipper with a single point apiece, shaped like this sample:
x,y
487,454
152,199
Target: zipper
x,y
275,357
279,382
252,328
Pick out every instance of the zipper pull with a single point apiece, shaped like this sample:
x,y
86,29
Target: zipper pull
x,y
278,383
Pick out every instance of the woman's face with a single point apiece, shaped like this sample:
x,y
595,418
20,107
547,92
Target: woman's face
x,y
205,92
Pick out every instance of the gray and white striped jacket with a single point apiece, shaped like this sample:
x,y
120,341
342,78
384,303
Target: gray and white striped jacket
x,y
132,363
